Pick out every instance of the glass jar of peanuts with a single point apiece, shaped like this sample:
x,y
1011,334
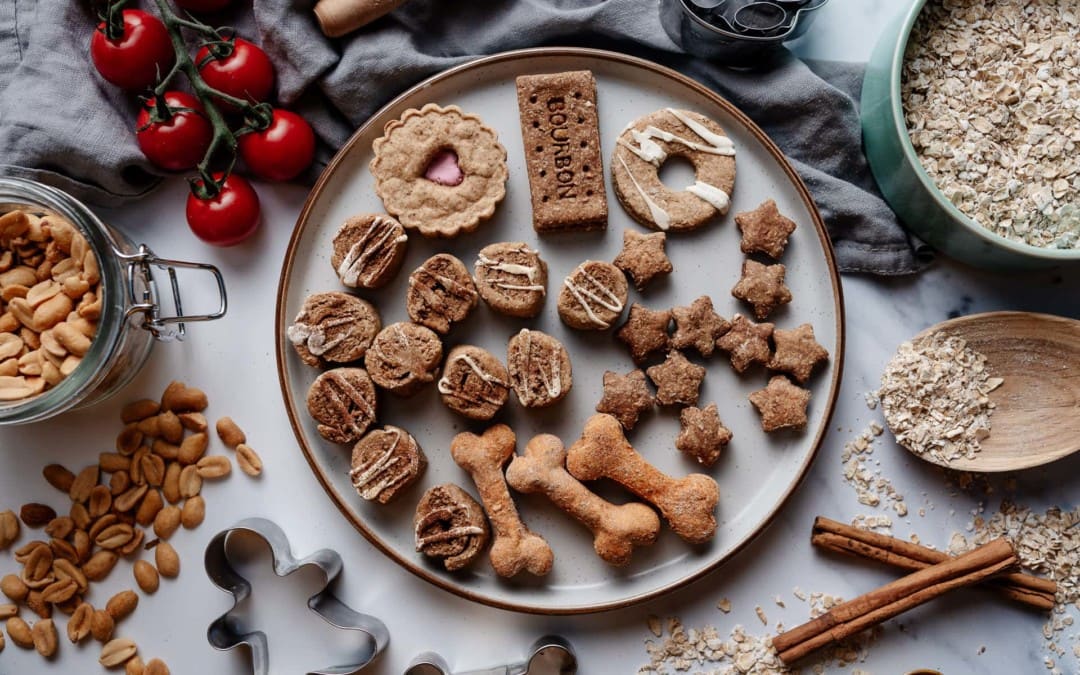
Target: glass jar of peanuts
x,y
79,305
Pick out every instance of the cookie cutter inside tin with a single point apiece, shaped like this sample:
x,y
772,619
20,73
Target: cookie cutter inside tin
x,y
226,633
550,655
736,32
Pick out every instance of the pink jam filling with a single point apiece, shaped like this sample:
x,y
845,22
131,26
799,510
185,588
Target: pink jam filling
x,y
444,169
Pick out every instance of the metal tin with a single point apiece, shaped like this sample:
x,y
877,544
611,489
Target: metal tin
x,y
685,22
131,315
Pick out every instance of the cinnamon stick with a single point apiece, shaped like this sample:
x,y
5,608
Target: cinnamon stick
x,y
846,619
1029,590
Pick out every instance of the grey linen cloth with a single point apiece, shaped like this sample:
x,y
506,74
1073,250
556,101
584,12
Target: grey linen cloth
x,y
62,124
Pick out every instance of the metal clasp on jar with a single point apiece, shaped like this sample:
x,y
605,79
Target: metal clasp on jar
x,y
143,297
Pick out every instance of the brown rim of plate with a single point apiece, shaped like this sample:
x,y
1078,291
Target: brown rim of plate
x,y
585,53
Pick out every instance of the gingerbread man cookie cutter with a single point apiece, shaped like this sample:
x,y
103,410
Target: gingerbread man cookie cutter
x,y
226,633
550,655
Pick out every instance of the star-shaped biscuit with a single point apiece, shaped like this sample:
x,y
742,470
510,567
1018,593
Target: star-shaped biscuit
x,y
643,257
746,343
703,435
698,326
762,286
625,397
677,380
764,230
782,405
797,352
645,332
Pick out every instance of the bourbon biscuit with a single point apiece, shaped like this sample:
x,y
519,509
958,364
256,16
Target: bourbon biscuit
x,y
539,367
333,327
385,462
368,250
561,134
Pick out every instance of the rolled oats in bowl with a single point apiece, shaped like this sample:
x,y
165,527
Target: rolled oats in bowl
x,y
991,99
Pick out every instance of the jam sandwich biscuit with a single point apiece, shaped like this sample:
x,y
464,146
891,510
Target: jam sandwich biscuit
x,y
561,135
439,170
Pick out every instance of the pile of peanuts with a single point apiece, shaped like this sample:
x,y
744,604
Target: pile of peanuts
x,y
155,481
50,302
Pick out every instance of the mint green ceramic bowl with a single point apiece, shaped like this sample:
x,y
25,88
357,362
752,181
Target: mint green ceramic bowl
x,y
909,190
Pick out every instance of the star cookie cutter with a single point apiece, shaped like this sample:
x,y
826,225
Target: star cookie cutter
x,y
550,655
225,632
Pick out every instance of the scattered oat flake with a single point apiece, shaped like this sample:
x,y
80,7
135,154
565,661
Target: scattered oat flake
x,y
761,615
779,601
654,625
724,605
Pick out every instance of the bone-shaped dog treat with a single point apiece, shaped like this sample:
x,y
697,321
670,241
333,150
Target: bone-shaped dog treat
x,y
686,503
616,528
516,548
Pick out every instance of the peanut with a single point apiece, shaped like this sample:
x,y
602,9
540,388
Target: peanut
x,y
14,588
44,636
192,513
9,529
84,482
101,501
190,482
60,527
102,625
146,576
99,565
117,652
135,666
193,421
139,410
156,667
214,466
59,477
167,560
8,610
78,626
193,448
249,460
36,515
179,398
230,432
170,487
152,503
121,605
19,632
170,427
166,522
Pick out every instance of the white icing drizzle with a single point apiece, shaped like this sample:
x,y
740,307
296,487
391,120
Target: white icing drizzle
x,y
372,479
580,294
658,214
720,145
711,194
445,385
313,338
360,253
552,380
445,513
530,272
646,149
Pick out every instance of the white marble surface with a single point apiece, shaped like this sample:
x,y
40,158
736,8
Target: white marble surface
x,y
234,361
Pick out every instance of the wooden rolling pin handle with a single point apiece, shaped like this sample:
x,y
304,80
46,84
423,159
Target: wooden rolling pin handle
x,y
339,17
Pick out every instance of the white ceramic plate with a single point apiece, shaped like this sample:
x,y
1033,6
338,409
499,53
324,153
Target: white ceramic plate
x,y
757,472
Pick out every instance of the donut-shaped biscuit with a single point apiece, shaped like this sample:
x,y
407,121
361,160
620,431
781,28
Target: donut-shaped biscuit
x,y
442,205
643,148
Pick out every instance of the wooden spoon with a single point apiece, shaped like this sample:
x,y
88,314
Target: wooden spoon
x,y
1037,419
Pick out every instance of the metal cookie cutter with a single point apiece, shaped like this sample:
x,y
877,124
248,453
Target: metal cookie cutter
x,y
550,655
225,632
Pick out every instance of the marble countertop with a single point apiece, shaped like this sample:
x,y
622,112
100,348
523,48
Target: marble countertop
x,y
969,632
